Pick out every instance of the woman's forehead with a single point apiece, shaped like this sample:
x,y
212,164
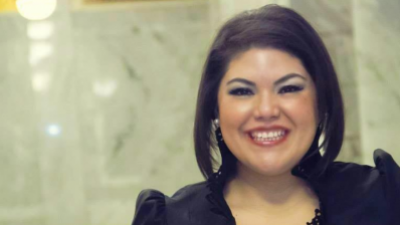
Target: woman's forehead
x,y
264,63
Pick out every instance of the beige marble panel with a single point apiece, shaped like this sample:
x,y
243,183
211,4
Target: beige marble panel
x,y
97,110
138,84
377,34
20,196
328,17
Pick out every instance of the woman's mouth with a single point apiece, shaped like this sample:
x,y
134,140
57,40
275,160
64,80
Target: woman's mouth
x,y
268,137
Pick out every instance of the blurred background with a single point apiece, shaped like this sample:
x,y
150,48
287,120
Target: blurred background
x,y
98,96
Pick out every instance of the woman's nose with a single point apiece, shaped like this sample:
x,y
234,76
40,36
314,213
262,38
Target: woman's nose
x,y
266,107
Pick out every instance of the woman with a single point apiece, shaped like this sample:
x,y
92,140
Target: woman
x,y
270,99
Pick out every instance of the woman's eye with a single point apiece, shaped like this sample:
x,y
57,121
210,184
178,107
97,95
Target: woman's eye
x,y
290,89
241,91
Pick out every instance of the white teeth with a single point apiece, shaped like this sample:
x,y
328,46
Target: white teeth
x,y
268,136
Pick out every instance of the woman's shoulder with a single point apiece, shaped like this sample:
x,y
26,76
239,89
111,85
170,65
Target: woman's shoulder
x,y
385,168
150,208
151,204
350,185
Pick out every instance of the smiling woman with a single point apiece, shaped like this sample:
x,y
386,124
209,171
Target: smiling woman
x,y
268,110
268,96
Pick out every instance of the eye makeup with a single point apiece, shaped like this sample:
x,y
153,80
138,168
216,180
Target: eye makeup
x,y
290,83
241,91
290,89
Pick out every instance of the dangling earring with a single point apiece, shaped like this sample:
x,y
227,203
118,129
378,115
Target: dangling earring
x,y
216,123
228,166
218,133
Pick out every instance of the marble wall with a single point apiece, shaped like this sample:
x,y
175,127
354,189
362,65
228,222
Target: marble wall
x,y
98,102
377,49
97,105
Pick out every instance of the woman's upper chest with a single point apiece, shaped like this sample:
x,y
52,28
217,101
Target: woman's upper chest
x,y
286,217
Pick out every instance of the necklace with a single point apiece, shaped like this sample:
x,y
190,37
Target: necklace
x,y
317,219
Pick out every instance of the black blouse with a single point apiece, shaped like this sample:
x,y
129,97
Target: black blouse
x,y
349,194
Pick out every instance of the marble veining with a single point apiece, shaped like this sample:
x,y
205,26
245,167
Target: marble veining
x,y
121,85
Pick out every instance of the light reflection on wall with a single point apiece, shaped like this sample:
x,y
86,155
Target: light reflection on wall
x,y
41,48
105,88
36,9
41,81
39,51
40,30
53,130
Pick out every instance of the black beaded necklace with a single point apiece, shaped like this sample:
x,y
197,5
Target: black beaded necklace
x,y
317,220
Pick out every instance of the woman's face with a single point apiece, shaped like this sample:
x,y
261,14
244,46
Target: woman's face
x,y
267,110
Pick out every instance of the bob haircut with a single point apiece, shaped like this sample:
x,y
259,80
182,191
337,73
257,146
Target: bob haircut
x,y
280,28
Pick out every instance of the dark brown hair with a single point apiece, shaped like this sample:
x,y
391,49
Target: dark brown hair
x,y
271,26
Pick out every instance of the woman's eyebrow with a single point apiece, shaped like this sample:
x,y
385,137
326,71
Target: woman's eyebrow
x,y
281,80
241,80
288,77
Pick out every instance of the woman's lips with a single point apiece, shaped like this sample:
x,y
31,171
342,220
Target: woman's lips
x,y
268,137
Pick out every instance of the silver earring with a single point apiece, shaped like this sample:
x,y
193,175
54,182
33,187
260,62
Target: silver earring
x,y
216,122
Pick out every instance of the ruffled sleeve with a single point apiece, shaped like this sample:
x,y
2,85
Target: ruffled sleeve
x,y
150,208
390,175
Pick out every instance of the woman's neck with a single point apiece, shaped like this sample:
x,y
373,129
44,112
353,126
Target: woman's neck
x,y
279,193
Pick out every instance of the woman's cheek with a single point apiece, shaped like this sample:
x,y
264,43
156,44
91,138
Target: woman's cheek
x,y
235,109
